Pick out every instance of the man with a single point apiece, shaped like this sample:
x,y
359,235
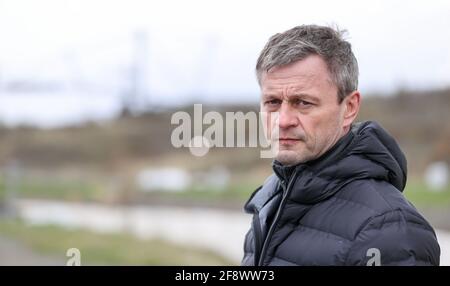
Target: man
x,y
335,197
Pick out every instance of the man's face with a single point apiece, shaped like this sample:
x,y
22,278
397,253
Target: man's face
x,y
310,119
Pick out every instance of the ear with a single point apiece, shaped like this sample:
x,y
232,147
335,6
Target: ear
x,y
351,108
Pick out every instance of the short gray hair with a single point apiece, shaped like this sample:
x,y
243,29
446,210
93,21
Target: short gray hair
x,y
301,41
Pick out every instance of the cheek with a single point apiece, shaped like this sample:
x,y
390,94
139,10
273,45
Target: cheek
x,y
331,123
321,124
310,125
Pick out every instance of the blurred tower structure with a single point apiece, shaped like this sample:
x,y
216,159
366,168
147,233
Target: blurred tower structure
x,y
136,98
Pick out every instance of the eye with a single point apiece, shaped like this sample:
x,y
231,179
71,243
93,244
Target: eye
x,y
272,102
301,103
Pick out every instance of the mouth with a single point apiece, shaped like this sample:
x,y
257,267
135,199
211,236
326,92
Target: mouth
x,y
288,141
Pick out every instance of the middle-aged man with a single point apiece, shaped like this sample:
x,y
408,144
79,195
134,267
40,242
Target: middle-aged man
x,y
335,197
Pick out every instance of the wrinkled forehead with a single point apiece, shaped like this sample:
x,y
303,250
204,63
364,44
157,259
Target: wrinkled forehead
x,y
309,71
308,84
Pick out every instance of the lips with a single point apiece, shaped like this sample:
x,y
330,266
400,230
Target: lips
x,y
288,141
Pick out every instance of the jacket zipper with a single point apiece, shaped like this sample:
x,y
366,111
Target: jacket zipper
x,y
275,220
257,235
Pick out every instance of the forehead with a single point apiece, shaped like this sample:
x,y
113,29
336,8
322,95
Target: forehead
x,y
309,73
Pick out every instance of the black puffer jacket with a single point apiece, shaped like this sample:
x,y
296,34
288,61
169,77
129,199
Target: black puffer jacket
x,y
337,209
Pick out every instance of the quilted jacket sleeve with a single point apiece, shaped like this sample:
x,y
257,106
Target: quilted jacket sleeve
x,y
397,237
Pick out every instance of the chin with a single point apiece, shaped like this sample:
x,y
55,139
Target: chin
x,y
290,157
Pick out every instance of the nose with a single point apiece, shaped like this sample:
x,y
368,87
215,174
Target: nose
x,y
287,116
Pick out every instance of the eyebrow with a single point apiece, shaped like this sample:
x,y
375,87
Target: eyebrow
x,y
296,95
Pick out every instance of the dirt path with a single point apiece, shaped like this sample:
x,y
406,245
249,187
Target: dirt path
x,y
15,253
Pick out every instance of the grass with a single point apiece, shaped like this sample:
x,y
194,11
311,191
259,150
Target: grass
x,y
420,195
77,190
55,188
234,192
106,249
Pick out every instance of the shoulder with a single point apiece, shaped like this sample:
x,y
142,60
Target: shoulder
x,y
394,227
399,236
378,196
384,204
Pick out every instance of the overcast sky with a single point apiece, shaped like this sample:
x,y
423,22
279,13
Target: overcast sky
x,y
205,48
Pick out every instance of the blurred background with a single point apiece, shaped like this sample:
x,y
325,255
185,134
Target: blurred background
x,y
88,88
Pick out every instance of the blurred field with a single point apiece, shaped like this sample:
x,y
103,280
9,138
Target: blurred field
x,y
106,249
420,195
233,196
